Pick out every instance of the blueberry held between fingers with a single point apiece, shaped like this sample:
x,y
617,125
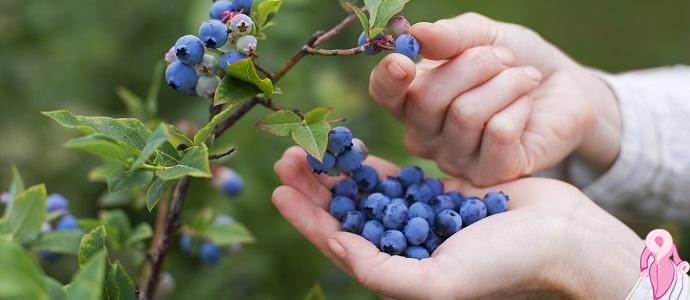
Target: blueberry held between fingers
x,y
407,45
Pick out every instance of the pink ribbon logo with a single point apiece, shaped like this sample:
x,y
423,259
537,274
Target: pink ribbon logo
x,y
659,261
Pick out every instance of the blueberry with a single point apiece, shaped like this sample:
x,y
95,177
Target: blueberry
x,y
206,86
399,24
393,242
416,252
457,198
407,45
411,175
232,184
55,202
230,57
244,6
401,201
421,210
208,64
213,33
418,193
472,210
349,160
241,24
340,206
435,184
219,8
496,202
246,44
339,139
189,49
186,243
67,222
359,145
390,187
352,222
373,206
432,242
416,230
346,188
372,231
180,76
209,253
370,49
394,215
447,223
321,166
442,202
366,178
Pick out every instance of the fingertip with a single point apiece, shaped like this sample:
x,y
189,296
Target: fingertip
x,y
431,37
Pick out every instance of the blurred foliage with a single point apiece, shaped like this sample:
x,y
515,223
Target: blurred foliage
x,y
73,54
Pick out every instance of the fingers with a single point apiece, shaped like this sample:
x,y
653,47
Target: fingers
x,y
448,38
389,82
293,171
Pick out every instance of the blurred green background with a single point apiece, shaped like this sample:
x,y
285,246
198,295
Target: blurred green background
x,y
73,54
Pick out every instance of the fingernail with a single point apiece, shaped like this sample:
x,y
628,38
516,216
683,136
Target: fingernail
x,y
504,55
336,248
395,71
533,73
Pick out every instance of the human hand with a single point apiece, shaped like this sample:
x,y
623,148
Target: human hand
x,y
493,101
553,241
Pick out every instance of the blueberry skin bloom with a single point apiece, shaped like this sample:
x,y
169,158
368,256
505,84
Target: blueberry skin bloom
x,y
422,210
435,184
213,33
416,231
339,139
394,216
352,222
496,202
472,210
393,242
244,5
189,49
209,253
371,49
340,206
346,188
457,198
374,205
218,8
349,160
447,223
416,252
67,222
400,201
180,76
233,185
418,193
410,175
372,231
230,57
321,166
366,177
390,187
407,45
56,202
442,202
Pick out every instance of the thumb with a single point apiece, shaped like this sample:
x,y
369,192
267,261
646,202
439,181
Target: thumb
x,y
448,38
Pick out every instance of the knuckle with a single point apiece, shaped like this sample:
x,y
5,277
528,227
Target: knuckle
x,y
501,131
415,146
464,115
449,166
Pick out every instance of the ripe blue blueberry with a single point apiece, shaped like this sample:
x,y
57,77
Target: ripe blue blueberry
x,y
346,188
418,193
232,185
219,8
390,187
186,243
209,253
244,6
339,139
241,24
373,206
416,230
352,222
321,166
435,184
407,45
349,160
206,86
393,242
400,201
416,252
447,223
421,210
246,44
372,231
496,202
189,49
457,198
432,242
180,76
230,57
56,202
394,215
366,178
442,202
410,175
67,222
213,33
371,49
340,206
472,210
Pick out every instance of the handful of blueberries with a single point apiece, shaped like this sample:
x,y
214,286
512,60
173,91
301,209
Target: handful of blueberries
x,y
408,214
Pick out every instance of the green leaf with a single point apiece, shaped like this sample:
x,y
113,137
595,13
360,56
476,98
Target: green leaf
x,y
116,199
124,180
134,104
88,282
313,138
157,138
104,147
240,82
142,232
266,10
280,123
317,114
203,134
54,288
372,6
118,285
21,277
116,225
363,19
156,191
201,219
25,214
17,185
61,241
89,224
177,138
152,96
194,163
91,243
315,293
387,10
228,234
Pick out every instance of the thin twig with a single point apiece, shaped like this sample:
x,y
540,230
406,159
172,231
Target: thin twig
x,y
334,52
236,116
265,71
221,155
268,103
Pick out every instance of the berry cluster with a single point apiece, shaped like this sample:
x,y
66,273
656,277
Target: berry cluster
x,y
408,214
206,250
227,181
57,206
401,41
192,68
